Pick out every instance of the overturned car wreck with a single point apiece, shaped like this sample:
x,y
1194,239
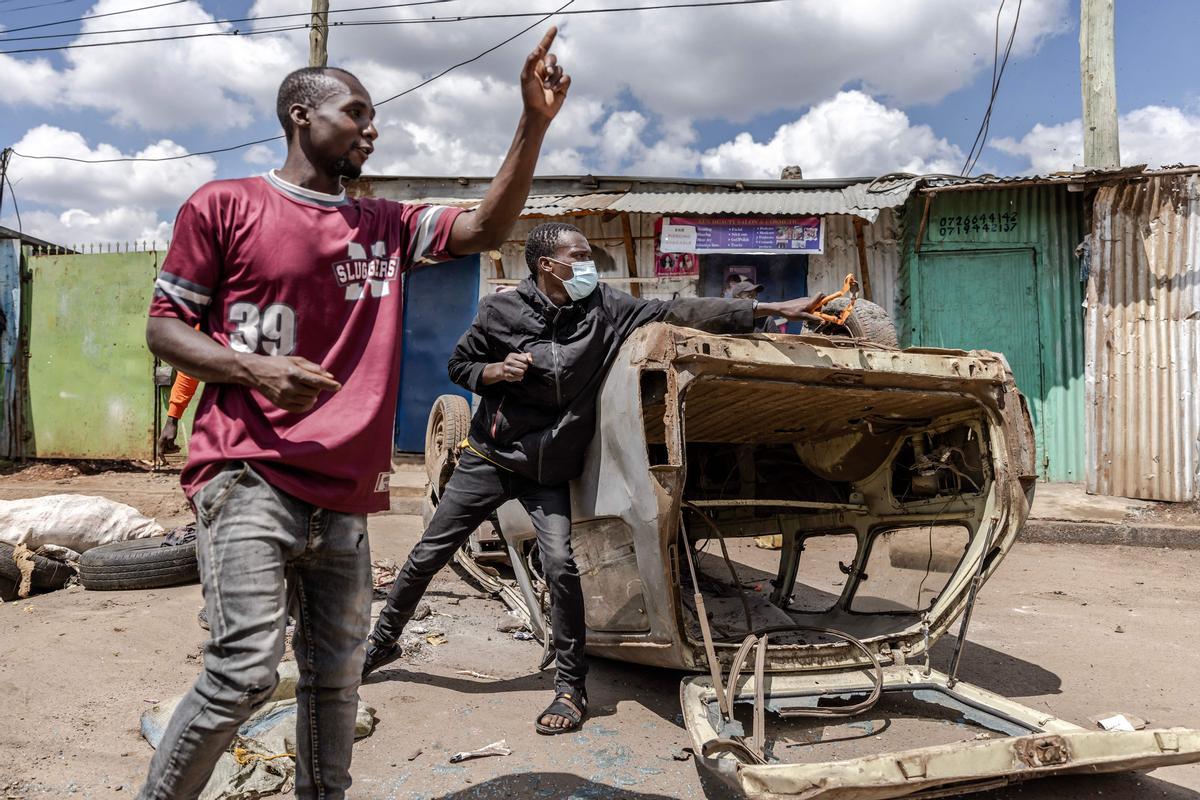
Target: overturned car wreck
x,y
892,482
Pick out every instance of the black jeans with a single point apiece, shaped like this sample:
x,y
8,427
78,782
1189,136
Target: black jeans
x,y
476,489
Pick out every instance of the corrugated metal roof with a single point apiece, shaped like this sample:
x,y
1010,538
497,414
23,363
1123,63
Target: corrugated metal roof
x,y
1143,340
863,200
942,183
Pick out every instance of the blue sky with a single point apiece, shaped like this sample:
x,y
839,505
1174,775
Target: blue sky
x,y
852,88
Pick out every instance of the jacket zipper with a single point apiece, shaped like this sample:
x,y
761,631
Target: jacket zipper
x,y
557,388
554,351
496,418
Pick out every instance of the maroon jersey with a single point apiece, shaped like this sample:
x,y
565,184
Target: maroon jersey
x,y
266,267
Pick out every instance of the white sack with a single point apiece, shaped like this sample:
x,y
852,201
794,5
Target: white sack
x,y
74,521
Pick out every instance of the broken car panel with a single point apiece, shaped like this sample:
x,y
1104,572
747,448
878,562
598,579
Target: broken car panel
x,y
896,480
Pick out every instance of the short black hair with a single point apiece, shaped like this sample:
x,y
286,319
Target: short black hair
x,y
543,241
308,86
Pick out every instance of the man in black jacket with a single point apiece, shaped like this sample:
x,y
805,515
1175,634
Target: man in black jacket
x,y
537,356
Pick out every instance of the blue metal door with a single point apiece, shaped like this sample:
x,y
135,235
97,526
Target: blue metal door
x,y
439,304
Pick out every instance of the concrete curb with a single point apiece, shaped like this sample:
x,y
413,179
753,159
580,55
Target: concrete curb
x,y
1052,531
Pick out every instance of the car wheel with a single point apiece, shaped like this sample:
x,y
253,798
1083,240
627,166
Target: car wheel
x,y
48,574
866,321
138,564
449,420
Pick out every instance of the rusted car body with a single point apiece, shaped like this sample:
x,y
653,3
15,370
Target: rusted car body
x,y
894,482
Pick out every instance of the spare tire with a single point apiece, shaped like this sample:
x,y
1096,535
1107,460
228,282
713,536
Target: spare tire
x,y
866,321
48,573
138,564
449,421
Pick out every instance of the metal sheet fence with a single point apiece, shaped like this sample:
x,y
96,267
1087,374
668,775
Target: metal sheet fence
x,y
91,378
1143,340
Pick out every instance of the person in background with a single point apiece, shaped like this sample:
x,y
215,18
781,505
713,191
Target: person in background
x,y
746,290
182,392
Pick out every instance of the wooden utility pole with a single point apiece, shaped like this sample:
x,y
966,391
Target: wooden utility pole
x,y
318,39
1097,72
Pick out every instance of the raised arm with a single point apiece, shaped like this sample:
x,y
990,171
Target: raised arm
x,y
543,89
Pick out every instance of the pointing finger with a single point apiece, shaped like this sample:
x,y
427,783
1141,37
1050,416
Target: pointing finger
x,y
547,40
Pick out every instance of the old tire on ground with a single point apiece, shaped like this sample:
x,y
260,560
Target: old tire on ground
x,y
138,564
867,321
449,420
48,574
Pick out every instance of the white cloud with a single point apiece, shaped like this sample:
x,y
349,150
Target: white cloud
x,y
1154,135
95,187
217,83
32,82
847,135
690,66
124,201
263,155
78,227
730,63
850,134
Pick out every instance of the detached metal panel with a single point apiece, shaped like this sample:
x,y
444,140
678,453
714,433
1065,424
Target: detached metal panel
x,y
1143,340
91,378
1047,221
10,330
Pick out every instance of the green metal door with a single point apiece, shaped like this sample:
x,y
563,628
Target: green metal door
x,y
91,378
986,300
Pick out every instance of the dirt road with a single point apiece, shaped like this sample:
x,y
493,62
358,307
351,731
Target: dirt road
x,y
77,669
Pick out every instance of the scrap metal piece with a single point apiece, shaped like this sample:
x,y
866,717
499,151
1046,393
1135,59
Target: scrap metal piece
x,y
499,748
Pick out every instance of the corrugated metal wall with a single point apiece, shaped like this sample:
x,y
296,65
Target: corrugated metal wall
x,y
1143,340
1048,220
826,272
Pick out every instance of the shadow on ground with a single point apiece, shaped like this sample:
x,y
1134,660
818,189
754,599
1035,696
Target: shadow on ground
x,y
548,786
996,670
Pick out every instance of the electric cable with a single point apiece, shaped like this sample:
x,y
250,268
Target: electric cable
x,y
997,75
422,21
229,21
214,151
94,16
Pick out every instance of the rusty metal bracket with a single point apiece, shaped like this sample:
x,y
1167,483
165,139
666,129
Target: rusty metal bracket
x,y
976,582
1044,751
849,287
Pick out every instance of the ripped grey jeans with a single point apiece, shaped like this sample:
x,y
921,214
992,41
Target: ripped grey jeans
x,y
262,551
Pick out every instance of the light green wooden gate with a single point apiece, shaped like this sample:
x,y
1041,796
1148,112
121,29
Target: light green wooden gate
x,y
987,300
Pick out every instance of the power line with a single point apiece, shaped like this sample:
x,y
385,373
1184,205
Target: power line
x,y
94,16
229,21
560,11
276,138
997,75
492,49
149,159
35,5
421,21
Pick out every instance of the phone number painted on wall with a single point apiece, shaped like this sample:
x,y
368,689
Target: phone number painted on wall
x,y
978,223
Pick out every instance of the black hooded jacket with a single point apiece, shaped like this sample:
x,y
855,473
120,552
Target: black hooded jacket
x,y
541,426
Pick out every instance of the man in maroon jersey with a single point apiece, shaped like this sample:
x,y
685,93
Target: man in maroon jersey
x,y
297,291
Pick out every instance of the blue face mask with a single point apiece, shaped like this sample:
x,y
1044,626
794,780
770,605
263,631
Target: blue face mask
x,y
584,280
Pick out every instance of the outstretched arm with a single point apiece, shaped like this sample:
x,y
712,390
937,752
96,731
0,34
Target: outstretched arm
x,y
543,88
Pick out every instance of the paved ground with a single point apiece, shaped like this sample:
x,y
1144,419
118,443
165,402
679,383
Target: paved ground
x,y
1066,513
1076,630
